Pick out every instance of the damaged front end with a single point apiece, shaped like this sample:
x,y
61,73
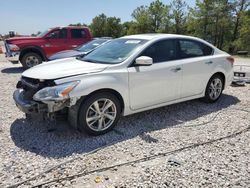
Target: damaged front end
x,y
34,96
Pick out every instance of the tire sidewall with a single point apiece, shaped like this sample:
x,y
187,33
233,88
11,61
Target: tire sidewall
x,y
82,124
23,60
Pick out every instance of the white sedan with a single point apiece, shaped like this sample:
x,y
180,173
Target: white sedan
x,y
128,75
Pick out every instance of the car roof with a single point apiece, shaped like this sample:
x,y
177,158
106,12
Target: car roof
x,y
151,36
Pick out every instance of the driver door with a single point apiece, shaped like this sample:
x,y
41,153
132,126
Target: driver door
x,y
57,41
158,83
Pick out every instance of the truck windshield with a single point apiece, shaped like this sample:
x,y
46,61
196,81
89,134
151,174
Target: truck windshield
x,y
115,51
42,34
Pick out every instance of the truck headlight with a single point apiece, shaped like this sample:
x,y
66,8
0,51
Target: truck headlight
x,y
55,93
13,48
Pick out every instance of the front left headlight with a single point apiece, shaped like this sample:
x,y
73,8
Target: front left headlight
x,y
13,48
55,93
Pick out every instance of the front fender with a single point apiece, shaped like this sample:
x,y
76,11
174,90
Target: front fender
x,y
90,83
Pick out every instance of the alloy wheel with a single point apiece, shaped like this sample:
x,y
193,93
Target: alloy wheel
x,y
215,88
101,114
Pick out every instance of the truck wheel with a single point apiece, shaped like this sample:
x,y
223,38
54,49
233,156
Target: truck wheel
x,y
99,113
31,59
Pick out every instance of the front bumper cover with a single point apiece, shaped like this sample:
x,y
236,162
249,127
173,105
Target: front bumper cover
x,y
28,107
31,106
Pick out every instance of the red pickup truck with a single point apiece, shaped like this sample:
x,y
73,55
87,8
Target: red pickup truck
x,y
31,51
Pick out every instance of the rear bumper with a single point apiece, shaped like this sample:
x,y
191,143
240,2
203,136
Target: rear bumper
x,y
28,107
241,79
241,73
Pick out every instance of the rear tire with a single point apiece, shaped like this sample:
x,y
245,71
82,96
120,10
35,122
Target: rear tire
x,y
31,59
99,113
214,89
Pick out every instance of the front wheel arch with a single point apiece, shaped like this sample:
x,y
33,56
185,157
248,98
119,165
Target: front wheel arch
x,y
73,112
34,49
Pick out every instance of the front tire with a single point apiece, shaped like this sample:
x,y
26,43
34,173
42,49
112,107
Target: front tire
x,y
31,59
99,113
214,89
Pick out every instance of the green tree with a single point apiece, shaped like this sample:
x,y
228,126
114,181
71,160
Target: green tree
x,y
113,27
98,25
211,20
142,20
242,43
127,28
79,24
103,26
179,16
159,16
152,18
239,8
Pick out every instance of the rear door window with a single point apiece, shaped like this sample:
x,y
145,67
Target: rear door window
x,y
77,33
190,49
161,51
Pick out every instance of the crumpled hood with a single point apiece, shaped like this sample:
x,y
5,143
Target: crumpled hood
x,y
66,54
62,68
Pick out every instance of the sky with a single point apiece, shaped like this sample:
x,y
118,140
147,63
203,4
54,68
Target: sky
x,y
30,16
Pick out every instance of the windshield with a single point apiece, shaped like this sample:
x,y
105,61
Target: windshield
x,y
91,45
115,51
42,34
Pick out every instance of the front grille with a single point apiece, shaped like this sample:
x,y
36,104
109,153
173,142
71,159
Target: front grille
x,y
31,86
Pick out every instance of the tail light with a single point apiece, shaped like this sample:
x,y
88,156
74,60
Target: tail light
x,y
231,60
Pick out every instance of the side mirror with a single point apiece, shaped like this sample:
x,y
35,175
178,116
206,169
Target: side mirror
x,y
144,61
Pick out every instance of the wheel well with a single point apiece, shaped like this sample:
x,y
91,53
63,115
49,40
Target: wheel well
x,y
114,92
223,77
34,50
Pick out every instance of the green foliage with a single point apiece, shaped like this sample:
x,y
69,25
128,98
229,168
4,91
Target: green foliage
x,y
98,25
243,42
224,23
79,24
152,19
106,26
179,16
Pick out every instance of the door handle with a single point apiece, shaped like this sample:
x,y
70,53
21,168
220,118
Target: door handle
x,y
176,69
208,62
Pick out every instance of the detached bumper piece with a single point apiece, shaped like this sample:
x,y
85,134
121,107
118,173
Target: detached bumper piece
x,y
11,56
28,107
241,74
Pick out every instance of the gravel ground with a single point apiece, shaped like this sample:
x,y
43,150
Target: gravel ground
x,y
190,144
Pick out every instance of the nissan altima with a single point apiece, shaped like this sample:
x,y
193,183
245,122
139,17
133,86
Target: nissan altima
x,y
125,76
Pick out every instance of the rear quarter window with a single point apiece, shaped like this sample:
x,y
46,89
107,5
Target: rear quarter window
x,y
190,48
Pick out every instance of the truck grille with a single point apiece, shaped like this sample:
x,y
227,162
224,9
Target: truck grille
x,y
31,86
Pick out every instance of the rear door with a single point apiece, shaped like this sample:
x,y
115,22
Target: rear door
x,y
197,64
